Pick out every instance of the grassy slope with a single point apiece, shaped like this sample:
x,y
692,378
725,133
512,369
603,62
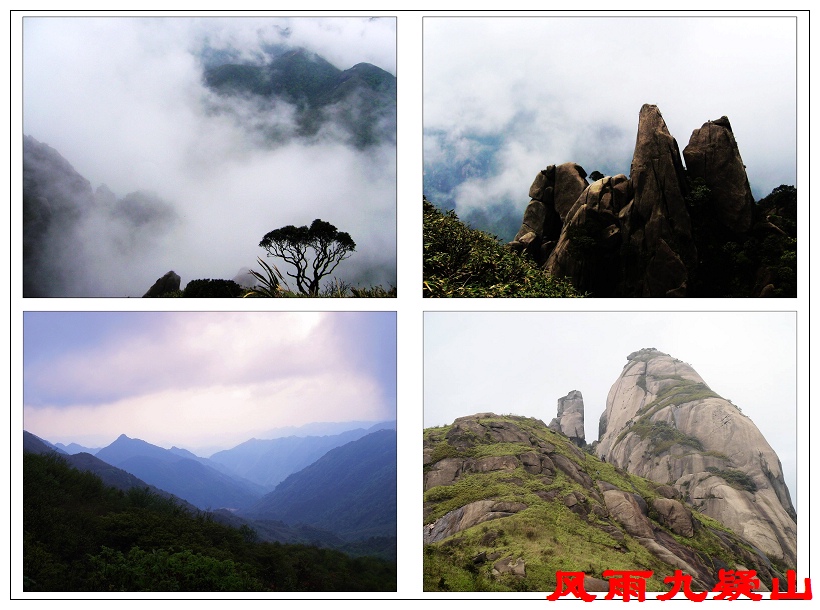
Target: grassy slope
x,y
547,534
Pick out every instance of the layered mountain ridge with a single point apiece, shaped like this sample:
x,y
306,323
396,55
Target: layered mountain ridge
x,y
360,100
345,498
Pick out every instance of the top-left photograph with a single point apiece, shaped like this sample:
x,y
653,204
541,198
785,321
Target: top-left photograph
x,y
209,157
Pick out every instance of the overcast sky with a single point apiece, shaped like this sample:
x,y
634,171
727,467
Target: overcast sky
x,y
506,96
522,363
122,100
203,379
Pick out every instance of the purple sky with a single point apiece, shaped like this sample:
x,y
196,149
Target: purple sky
x,y
201,380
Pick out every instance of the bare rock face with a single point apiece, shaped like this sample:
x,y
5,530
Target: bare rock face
x,y
516,568
712,155
658,223
468,516
570,420
552,195
167,283
674,515
663,231
663,422
631,236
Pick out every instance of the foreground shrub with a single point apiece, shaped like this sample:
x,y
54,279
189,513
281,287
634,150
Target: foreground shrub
x,y
464,262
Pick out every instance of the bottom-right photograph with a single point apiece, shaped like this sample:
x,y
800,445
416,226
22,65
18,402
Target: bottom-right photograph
x,y
575,453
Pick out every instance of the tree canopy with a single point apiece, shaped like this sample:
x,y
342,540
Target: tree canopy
x,y
313,251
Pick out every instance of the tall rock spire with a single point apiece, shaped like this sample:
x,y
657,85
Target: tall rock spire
x,y
663,422
570,420
663,231
712,155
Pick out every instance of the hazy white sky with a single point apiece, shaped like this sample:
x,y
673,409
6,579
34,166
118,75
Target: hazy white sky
x,y
122,100
547,90
203,379
522,363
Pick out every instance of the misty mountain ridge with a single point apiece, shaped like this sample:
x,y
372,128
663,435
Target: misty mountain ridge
x,y
194,479
268,462
326,428
79,240
360,102
350,490
73,448
74,236
62,214
110,475
357,508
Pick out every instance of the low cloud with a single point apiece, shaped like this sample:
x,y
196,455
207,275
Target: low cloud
x,y
557,89
122,100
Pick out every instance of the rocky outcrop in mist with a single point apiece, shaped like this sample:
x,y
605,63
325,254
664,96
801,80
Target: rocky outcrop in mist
x,y
74,236
663,422
167,283
660,231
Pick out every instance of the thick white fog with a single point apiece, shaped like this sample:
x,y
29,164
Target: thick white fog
x,y
506,96
123,101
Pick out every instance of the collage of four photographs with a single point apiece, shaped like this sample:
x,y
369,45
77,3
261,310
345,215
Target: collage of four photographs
x,y
585,427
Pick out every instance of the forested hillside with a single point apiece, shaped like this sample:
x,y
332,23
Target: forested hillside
x,y
80,535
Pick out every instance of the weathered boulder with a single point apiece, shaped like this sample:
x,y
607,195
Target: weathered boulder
x,y
662,422
624,508
570,420
508,566
712,155
468,516
552,195
443,472
675,516
167,283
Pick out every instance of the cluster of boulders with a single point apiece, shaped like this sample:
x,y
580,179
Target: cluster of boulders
x,y
633,236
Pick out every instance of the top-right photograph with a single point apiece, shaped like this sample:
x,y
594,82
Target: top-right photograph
x,y
610,156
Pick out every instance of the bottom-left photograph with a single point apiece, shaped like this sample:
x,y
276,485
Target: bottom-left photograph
x,y
219,451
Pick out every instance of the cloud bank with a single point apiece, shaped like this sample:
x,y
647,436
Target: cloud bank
x,y
505,97
203,379
122,100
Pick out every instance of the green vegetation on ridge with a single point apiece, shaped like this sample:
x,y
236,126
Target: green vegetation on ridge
x,y
464,262
565,524
80,535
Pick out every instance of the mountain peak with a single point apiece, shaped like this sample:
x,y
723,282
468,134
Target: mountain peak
x,y
664,423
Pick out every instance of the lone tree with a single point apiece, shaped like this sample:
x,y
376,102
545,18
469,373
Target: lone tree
x,y
321,247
